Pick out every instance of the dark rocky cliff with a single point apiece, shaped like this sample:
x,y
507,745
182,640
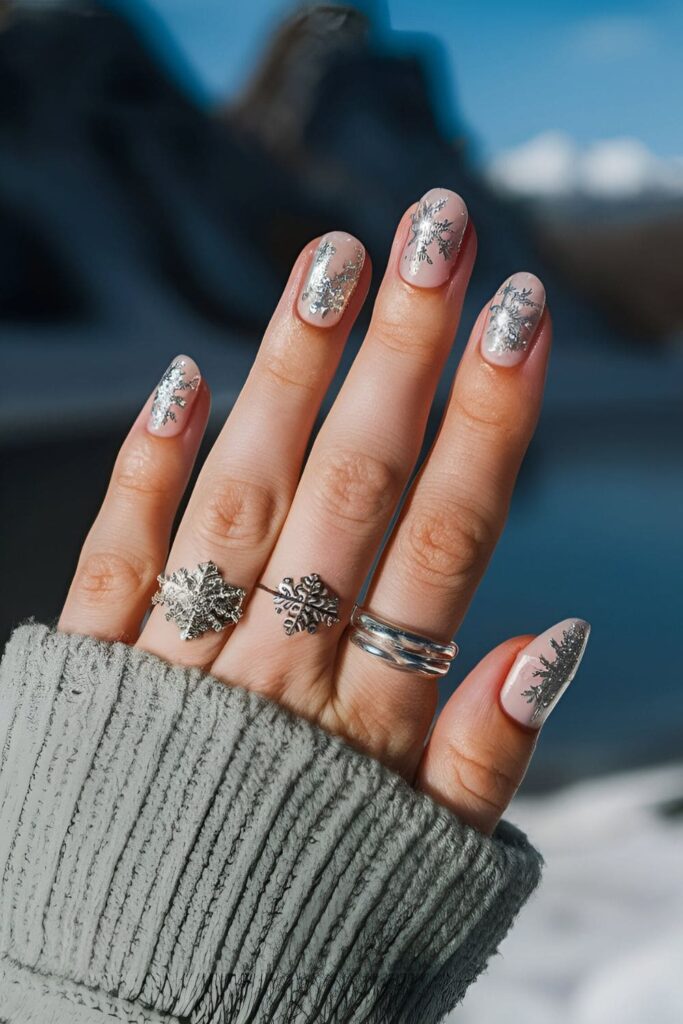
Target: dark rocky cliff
x,y
123,201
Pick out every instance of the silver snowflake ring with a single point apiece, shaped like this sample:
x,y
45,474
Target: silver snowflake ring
x,y
305,605
399,647
200,600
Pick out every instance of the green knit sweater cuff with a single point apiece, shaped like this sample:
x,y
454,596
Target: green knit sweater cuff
x,y
174,849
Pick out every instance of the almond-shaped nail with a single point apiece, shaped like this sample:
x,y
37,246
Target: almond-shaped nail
x,y
332,279
512,320
437,227
542,671
173,398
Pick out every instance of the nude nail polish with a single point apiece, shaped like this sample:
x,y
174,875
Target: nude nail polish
x,y
512,319
437,228
542,671
173,397
332,279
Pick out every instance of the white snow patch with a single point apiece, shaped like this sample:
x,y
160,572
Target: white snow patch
x,y
602,938
553,165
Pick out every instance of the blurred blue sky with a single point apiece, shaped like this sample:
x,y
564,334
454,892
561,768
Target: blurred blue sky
x,y
594,70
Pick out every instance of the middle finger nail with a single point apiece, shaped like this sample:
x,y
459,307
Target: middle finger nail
x,y
332,279
437,228
512,319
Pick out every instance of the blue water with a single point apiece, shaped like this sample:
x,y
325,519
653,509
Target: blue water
x,y
595,531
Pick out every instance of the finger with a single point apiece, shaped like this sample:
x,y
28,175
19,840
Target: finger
x,y
127,545
366,449
484,738
246,484
456,508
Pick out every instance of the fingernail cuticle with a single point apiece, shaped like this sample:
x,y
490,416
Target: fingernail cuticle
x,y
173,397
512,319
542,671
332,279
437,229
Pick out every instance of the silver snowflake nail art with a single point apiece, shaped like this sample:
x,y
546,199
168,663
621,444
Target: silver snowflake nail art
x,y
555,674
169,393
308,604
512,319
200,600
329,291
430,237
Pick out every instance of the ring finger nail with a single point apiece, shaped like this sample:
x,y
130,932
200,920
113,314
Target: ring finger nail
x,y
436,232
542,671
512,319
174,396
332,279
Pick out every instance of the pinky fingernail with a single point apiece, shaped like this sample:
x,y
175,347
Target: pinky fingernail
x,y
542,671
173,398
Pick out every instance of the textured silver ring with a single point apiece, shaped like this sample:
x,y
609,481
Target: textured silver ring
x,y
200,600
306,605
399,647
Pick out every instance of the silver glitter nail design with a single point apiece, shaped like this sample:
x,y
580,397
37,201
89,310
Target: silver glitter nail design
x,y
167,394
556,674
329,293
428,232
512,319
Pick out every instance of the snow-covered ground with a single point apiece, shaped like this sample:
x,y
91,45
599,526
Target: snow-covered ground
x,y
601,941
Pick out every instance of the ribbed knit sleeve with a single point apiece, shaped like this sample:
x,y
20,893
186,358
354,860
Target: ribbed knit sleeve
x,y
173,849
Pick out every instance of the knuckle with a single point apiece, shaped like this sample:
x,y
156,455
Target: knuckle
x,y
236,512
104,575
138,472
288,373
481,409
480,777
446,545
355,488
374,730
395,329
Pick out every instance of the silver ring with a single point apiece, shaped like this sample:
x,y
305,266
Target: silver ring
x,y
199,600
306,605
400,648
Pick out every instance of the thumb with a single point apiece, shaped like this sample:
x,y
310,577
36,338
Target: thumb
x,y
484,738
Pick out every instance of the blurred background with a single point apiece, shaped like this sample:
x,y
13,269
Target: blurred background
x,y
162,162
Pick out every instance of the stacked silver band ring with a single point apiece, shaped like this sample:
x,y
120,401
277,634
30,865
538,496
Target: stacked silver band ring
x,y
401,649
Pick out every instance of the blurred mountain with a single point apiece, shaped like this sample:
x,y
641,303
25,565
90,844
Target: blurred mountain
x,y
626,260
120,199
126,204
609,219
132,217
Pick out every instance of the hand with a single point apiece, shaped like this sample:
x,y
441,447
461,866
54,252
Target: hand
x,y
260,518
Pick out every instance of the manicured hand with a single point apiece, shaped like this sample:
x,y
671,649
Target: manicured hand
x,y
263,512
